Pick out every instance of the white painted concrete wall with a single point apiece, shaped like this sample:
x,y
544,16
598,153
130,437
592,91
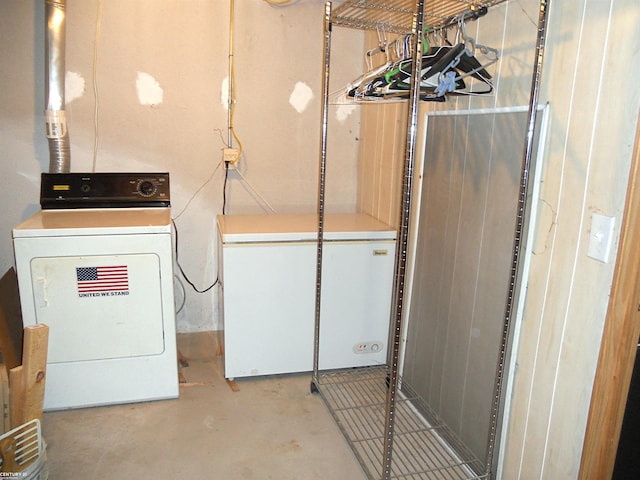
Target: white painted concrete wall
x,y
161,71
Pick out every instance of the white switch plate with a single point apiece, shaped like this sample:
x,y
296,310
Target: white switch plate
x,y
601,237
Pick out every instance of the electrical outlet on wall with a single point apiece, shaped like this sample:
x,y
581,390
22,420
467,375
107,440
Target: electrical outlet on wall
x,y
230,155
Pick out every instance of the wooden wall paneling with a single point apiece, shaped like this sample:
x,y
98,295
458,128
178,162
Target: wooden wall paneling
x,y
553,365
367,147
366,192
571,382
517,22
542,330
387,136
393,166
619,342
382,149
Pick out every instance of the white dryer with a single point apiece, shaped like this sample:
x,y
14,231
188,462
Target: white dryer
x,y
102,280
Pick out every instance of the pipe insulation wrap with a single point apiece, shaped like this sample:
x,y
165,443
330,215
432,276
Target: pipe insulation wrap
x,y
55,118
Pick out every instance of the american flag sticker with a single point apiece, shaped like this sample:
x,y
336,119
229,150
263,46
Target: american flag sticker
x,y
102,281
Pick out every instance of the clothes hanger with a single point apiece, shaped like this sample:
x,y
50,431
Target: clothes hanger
x,y
447,69
467,66
396,82
358,86
437,61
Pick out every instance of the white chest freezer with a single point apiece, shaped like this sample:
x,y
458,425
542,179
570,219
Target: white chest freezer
x,y
268,272
102,280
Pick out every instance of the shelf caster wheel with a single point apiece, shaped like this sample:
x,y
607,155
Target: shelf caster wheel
x,y
314,387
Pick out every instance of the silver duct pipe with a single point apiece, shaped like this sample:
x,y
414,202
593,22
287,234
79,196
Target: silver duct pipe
x,y
55,119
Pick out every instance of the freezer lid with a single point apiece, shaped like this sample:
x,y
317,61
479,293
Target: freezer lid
x,y
301,228
113,221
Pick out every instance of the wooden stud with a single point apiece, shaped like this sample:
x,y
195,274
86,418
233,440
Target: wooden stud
x,y
10,320
27,381
5,413
34,363
619,343
233,386
16,396
8,451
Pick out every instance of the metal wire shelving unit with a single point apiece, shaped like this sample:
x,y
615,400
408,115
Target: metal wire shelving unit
x,y
397,16
391,431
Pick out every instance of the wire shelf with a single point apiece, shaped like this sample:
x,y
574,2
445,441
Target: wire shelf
x,y
392,432
424,447
396,16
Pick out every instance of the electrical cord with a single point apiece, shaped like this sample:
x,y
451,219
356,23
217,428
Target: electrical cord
x,y
198,191
184,294
224,188
231,110
96,106
175,229
256,192
232,85
233,135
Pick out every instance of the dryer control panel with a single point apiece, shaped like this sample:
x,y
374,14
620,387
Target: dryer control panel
x,y
104,190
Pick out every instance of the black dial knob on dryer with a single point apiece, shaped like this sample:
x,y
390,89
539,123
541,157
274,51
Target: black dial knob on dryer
x,y
146,188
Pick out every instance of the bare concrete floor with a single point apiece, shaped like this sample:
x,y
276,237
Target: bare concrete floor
x,y
272,428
